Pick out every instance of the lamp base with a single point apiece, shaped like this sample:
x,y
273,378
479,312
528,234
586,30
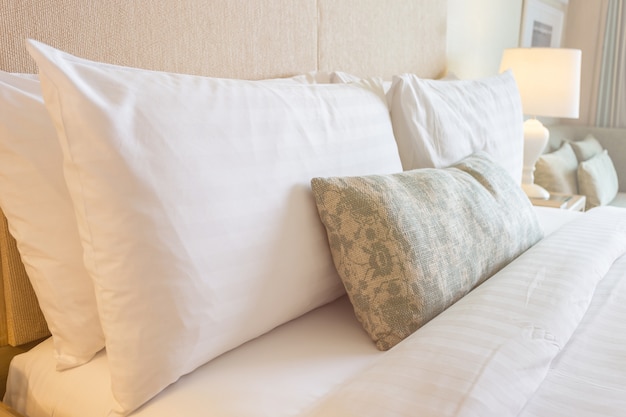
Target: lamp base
x,y
535,140
535,191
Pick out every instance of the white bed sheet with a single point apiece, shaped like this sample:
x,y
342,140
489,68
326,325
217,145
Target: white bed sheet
x,y
551,219
325,348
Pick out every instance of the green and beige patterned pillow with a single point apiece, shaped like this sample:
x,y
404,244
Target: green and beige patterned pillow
x,y
409,245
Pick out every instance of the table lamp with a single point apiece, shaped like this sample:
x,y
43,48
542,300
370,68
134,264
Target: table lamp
x,y
548,80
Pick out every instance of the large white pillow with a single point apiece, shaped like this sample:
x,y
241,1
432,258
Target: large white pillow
x,y
35,200
439,122
193,201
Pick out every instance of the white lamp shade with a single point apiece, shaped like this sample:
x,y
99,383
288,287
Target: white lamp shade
x,y
548,79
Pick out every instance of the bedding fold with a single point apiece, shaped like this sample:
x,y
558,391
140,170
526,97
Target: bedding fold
x,y
488,354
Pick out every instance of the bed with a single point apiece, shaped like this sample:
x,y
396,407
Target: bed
x,y
279,208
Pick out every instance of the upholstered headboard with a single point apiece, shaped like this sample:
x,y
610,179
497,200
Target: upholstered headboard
x,y
234,38
221,38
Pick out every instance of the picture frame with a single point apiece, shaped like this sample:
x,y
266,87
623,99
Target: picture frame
x,y
542,25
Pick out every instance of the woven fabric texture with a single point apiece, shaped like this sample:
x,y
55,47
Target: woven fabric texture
x,y
24,321
409,245
233,38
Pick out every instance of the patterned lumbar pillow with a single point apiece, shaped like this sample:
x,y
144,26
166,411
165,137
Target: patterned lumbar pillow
x,y
408,245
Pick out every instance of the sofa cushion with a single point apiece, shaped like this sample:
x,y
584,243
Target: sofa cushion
x,y
597,180
587,148
556,171
619,200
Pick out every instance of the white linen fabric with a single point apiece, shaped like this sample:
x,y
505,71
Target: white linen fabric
x,y
439,122
37,204
595,352
194,207
490,352
287,371
280,374
551,219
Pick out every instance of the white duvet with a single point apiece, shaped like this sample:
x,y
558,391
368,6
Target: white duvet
x,y
543,337
495,350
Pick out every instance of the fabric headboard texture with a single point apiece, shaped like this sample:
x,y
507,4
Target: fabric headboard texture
x,y
218,38
234,38
22,319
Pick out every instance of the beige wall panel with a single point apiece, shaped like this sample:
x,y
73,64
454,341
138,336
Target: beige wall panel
x,y
374,37
272,37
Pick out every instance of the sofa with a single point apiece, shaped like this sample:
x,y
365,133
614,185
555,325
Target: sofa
x,y
604,183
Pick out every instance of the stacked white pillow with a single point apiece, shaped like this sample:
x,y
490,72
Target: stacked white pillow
x,y
37,204
193,203
439,122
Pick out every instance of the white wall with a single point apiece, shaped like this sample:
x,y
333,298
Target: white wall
x,y
478,32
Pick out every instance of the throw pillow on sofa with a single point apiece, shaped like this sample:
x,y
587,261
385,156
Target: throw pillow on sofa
x,y
587,148
597,180
556,171
579,167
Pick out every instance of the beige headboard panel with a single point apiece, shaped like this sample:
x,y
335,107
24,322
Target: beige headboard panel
x,y
234,38
384,38
251,39
222,38
21,320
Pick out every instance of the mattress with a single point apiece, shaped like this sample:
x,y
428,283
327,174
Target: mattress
x,y
283,373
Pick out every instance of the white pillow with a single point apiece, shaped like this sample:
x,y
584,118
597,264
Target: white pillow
x,y
439,122
597,180
340,77
587,148
35,200
193,200
556,171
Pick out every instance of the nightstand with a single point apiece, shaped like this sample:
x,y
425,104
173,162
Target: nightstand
x,y
562,201
5,411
